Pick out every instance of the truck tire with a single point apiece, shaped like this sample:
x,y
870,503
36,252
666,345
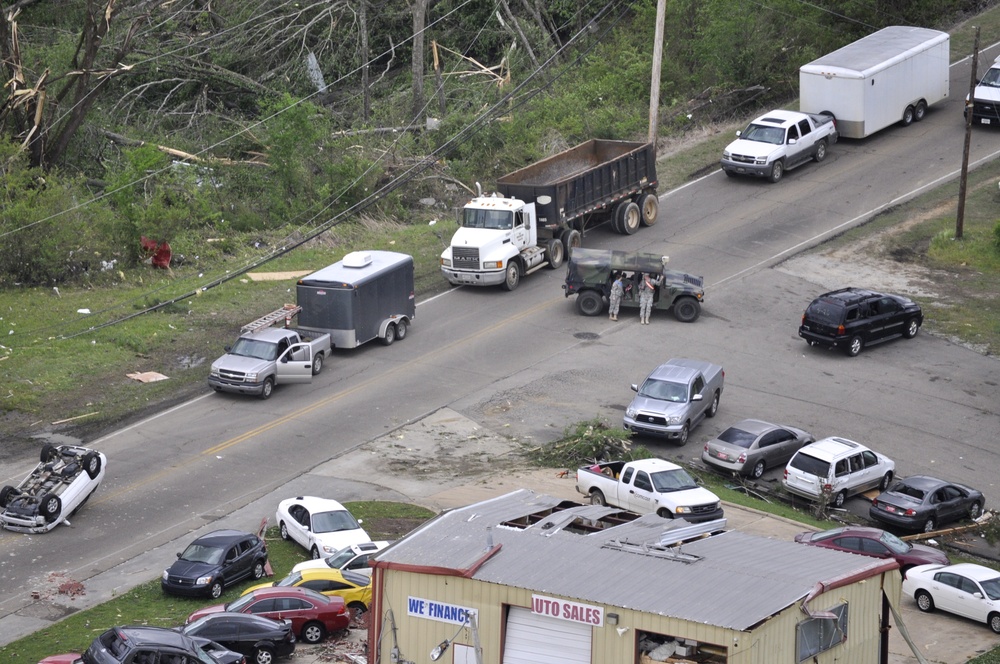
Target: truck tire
x,y
555,253
597,498
571,239
649,204
820,154
50,507
664,513
777,170
512,275
686,309
919,111
589,303
317,364
49,453
389,336
908,114
92,464
6,495
629,217
402,327
268,388
684,434
616,219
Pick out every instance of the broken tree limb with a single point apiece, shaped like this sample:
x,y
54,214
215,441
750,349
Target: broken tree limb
x,y
180,154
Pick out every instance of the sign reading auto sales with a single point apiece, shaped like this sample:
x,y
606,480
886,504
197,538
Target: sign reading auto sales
x,y
566,610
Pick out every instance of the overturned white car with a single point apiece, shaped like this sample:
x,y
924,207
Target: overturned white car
x,y
59,485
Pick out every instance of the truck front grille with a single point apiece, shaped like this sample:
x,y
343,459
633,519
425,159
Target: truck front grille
x,y
704,509
465,257
232,376
651,419
741,158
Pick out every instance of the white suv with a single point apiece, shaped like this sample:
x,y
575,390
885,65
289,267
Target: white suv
x,y
836,468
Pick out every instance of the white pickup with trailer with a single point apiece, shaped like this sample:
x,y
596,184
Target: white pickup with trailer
x,y
891,76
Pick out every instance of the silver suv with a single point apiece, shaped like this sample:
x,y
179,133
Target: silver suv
x,y
836,468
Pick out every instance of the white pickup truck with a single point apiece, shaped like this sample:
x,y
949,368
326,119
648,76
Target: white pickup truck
x,y
779,141
649,486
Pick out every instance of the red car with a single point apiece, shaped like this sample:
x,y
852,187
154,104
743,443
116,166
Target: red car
x,y
313,615
877,543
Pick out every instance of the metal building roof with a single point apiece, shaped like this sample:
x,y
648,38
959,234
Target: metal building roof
x,y
731,580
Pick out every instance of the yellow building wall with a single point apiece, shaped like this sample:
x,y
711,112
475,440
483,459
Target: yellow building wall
x,y
772,642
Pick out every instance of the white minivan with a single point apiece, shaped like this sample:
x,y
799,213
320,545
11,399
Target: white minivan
x,y
837,468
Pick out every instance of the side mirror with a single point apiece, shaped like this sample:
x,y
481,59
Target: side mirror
x,y
697,397
635,388
793,141
178,555
227,348
738,134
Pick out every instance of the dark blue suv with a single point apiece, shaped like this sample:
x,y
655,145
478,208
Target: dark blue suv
x,y
852,318
214,561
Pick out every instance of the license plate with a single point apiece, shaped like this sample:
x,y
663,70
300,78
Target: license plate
x,y
890,508
743,170
722,455
985,120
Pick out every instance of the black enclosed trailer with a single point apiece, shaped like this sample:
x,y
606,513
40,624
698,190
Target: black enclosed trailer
x,y
367,295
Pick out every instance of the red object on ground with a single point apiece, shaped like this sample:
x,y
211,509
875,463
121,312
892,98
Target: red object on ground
x,y
158,251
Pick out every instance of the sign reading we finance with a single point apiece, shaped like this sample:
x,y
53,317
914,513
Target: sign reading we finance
x,y
449,613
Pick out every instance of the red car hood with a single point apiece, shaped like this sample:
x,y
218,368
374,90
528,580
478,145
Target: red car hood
x,y
201,613
68,658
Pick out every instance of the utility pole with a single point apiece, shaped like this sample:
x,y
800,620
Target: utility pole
x,y
964,179
654,88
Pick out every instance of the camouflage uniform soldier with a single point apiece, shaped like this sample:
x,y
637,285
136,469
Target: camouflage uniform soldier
x,y
617,290
646,287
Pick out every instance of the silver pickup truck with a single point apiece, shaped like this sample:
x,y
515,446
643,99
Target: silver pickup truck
x,y
675,398
779,141
271,356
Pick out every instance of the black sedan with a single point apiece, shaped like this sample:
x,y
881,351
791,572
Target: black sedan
x,y
924,503
260,639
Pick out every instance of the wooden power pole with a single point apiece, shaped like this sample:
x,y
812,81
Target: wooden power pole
x,y
654,88
964,179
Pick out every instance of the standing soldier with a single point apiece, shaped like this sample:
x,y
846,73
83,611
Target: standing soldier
x,y
617,290
646,287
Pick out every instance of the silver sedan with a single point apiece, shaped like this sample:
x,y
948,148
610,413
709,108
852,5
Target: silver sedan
x,y
749,447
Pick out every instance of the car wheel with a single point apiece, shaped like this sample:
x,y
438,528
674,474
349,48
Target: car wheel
x,y
714,408
258,570
263,656
820,151
777,170
929,525
283,529
758,470
687,309
920,111
924,601
664,513
314,552
993,620
49,453
313,632
571,239
512,276
884,482
597,498
555,253
50,507
589,303
92,464
215,590
357,608
629,217
650,206
685,431
840,499
389,336
317,364
268,388
974,510
912,327
907,116
854,346
402,327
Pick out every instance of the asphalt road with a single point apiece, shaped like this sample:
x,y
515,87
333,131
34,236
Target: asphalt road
x,y
528,364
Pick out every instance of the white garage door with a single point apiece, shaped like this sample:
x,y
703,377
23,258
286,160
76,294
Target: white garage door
x,y
537,639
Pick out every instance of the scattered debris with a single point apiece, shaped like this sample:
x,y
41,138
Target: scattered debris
x,y
147,376
277,276
78,417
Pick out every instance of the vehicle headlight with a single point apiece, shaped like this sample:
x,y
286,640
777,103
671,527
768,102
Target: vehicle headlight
x,y
445,262
215,372
166,574
493,265
251,377
329,549
631,412
682,510
203,580
673,419
726,154
760,161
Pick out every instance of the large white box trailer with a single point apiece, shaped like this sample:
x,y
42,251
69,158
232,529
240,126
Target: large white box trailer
x,y
893,75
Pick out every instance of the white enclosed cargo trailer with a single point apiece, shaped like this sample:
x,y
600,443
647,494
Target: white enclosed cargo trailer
x,y
893,75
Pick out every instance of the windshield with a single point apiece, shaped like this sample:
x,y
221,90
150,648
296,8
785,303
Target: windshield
x,y
664,391
291,580
237,605
332,522
991,587
340,558
737,437
895,544
666,481
193,627
762,134
199,553
992,78
502,220
262,350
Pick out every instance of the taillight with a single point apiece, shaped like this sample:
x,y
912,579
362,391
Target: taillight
x,y
827,488
743,458
706,447
803,319
786,473
840,330
910,512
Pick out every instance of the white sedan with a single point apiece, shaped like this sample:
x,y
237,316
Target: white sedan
x,y
60,484
320,525
968,590
354,557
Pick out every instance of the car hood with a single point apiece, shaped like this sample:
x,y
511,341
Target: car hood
x,y
310,564
751,148
187,569
984,93
340,539
68,658
658,406
201,613
921,554
240,363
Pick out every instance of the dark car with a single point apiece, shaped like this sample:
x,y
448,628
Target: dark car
x,y
876,543
751,446
852,318
139,645
260,639
313,615
214,561
925,503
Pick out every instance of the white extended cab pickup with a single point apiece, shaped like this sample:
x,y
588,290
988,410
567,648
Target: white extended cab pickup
x,y
648,486
779,141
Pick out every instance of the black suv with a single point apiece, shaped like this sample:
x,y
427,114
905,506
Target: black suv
x,y
141,645
852,318
214,561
